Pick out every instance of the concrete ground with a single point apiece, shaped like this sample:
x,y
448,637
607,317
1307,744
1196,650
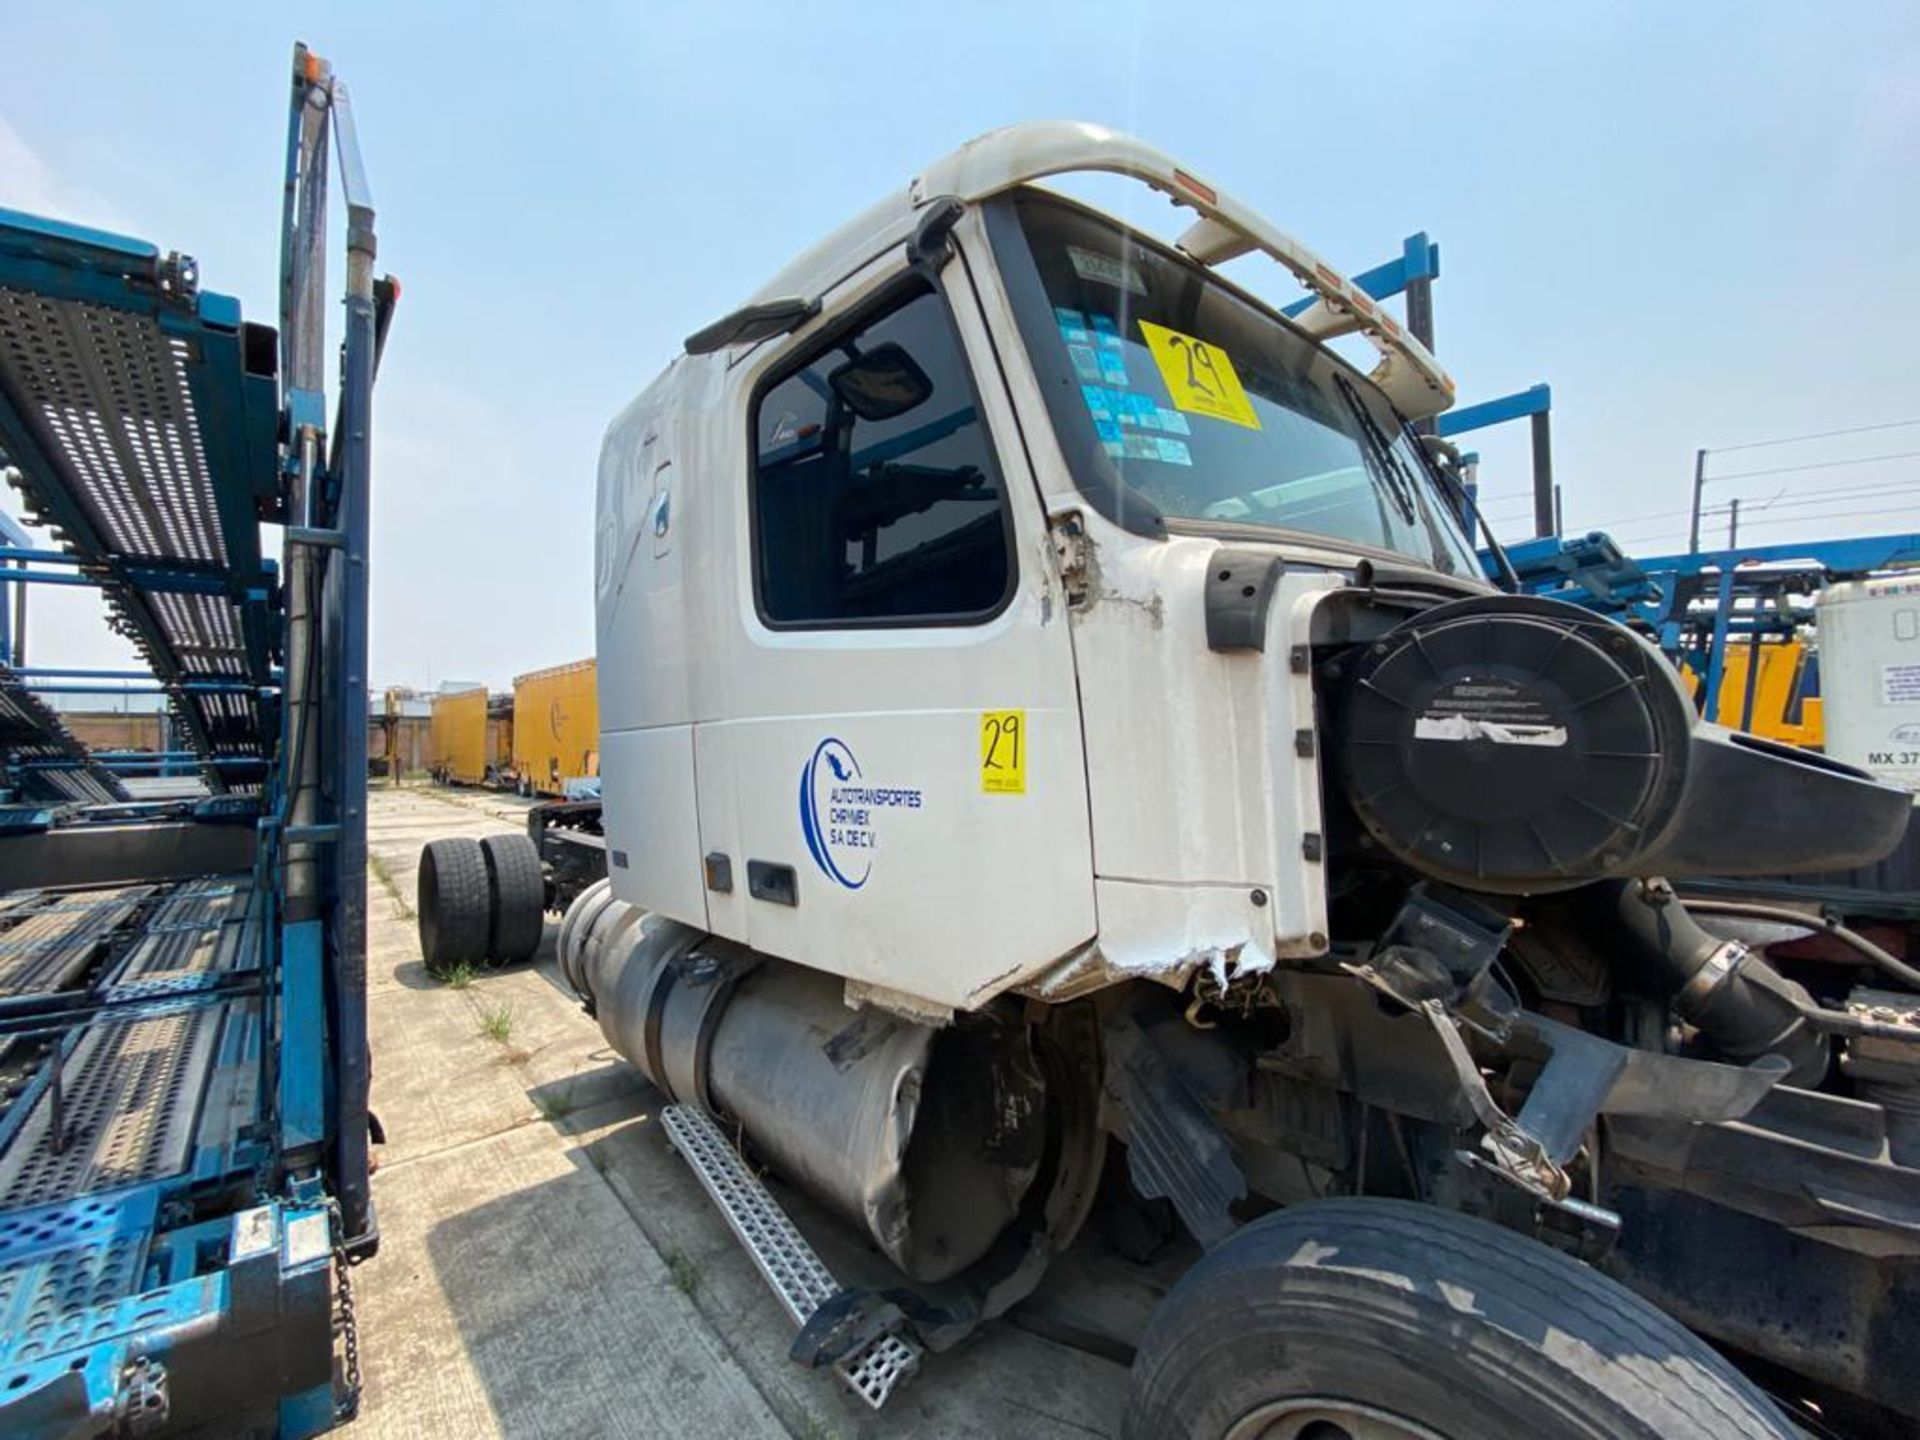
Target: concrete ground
x,y
548,1266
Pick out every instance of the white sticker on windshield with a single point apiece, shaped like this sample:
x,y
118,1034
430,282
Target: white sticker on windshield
x,y
1106,270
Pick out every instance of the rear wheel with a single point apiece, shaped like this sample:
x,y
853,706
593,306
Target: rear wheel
x,y
1384,1320
518,912
454,903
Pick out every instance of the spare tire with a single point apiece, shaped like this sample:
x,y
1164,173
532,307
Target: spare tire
x,y
518,913
454,903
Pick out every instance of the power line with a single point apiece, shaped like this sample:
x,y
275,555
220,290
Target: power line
x,y
1817,465
1633,523
1862,492
1811,519
1817,435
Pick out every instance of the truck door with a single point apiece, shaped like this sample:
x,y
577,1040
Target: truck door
x,y
643,707
902,729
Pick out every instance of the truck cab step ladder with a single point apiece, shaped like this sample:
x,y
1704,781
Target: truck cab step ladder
x,y
784,1258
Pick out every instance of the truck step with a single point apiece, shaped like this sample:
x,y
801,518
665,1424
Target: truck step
x,y
786,1261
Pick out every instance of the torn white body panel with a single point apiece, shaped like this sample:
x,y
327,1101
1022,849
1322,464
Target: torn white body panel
x,y
1203,792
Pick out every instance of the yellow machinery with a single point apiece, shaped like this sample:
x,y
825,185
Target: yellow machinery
x,y
457,749
1783,673
556,727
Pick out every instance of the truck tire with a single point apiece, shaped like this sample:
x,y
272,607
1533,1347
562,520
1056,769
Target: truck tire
x,y
518,913
1387,1320
453,903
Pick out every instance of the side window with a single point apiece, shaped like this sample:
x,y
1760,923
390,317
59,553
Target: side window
x,y
875,494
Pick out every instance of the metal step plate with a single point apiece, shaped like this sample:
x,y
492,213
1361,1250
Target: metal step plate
x,y
782,1254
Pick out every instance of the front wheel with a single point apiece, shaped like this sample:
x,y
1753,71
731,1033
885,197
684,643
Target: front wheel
x,y
1385,1320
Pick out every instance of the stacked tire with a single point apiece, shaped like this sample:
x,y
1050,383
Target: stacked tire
x,y
480,901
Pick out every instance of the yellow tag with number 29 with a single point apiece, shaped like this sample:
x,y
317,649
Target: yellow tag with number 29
x,y
1003,752
1200,377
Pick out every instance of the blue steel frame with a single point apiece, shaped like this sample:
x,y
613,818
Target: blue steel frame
x,y
1419,259
1658,592
1593,572
235,1302
1412,273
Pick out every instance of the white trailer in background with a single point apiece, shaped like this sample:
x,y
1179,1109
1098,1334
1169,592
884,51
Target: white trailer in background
x,y
1870,675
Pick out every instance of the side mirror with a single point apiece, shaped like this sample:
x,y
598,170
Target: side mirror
x,y
1444,453
883,383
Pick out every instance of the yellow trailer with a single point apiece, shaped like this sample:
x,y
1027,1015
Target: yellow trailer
x,y
556,727
457,744
499,734
1781,709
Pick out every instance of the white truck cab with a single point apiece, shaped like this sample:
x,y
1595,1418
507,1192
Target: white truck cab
x,y
1058,743
903,608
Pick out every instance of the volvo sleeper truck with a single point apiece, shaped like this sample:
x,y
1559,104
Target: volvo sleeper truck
x,y
1060,747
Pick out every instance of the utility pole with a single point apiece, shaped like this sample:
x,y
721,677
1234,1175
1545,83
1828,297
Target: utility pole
x,y
1699,480
1733,524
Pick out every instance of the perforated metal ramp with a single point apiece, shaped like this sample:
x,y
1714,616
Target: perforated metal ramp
x,y
140,413
129,1093
202,928
785,1259
52,764
65,1271
122,1097
48,940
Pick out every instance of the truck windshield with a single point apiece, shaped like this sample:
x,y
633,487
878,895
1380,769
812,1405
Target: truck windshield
x,y
1169,389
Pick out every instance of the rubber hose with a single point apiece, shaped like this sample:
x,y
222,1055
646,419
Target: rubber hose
x,y
1741,1004
1814,924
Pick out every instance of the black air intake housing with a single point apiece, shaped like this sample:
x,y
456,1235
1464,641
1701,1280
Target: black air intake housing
x,y
1515,744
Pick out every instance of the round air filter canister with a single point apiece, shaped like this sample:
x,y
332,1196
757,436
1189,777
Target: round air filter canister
x,y
1512,744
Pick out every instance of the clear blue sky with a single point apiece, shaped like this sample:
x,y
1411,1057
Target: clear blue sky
x,y
1696,222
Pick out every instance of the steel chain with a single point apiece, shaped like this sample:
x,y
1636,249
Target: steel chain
x,y
348,1405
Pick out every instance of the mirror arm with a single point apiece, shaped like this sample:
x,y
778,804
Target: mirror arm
x,y
931,246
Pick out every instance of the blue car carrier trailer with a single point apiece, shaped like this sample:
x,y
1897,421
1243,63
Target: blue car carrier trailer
x,y
183,1050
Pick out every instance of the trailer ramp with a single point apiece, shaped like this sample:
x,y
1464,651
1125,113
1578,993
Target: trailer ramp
x,y
183,1123
139,413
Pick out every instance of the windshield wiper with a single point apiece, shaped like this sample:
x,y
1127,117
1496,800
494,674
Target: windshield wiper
x,y
1382,464
1447,477
1400,484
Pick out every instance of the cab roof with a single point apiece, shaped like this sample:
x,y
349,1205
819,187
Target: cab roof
x,y
1223,229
